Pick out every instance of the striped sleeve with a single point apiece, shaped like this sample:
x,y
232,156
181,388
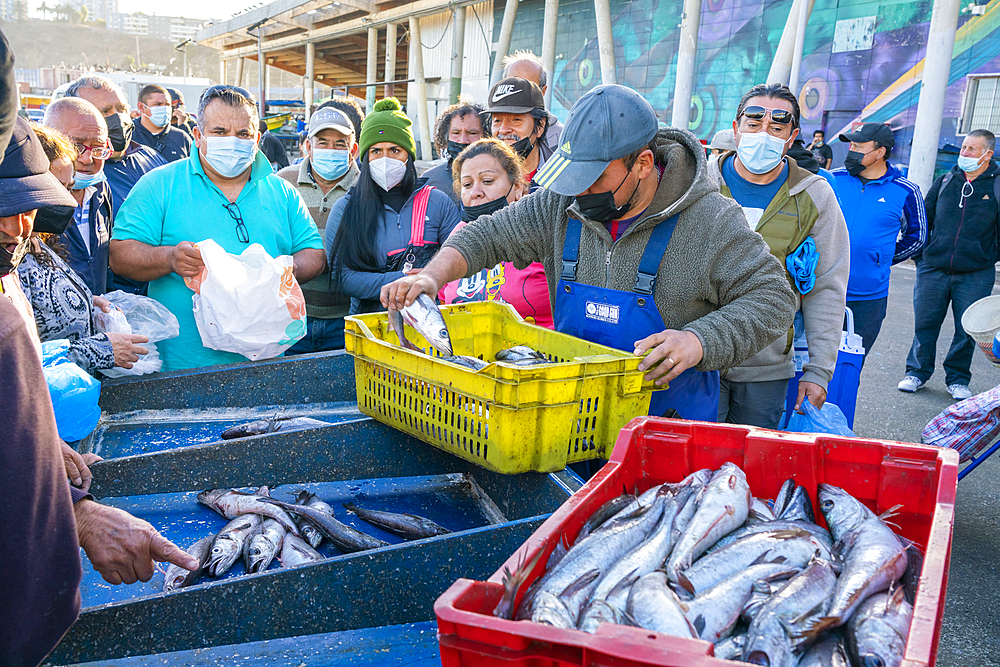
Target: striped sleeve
x,y
915,218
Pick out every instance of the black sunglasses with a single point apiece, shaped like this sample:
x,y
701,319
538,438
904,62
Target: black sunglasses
x,y
241,228
779,116
221,90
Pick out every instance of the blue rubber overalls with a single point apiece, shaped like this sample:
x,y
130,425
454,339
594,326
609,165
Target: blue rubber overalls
x,y
618,319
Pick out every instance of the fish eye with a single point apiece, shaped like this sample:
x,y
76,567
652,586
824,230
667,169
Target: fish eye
x,y
872,661
827,504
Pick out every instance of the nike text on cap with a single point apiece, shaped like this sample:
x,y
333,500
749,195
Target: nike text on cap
x,y
607,123
879,132
515,95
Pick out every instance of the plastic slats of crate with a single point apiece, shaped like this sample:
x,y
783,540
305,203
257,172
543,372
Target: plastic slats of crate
x,y
650,451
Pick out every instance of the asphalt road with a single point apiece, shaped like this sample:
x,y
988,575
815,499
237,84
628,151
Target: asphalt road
x,y
969,634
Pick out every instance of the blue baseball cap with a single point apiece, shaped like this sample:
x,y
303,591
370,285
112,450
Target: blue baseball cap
x,y
607,123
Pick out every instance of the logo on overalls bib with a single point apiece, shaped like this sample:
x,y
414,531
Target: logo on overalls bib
x,y
602,312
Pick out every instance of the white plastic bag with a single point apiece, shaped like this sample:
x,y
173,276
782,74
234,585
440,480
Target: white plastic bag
x,y
137,314
249,304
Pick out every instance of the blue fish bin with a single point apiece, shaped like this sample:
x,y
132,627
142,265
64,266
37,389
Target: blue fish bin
x,y
842,390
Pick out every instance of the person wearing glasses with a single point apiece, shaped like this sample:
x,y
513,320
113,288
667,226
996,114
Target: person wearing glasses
x,y
87,237
878,203
797,213
327,172
640,250
226,192
154,128
390,222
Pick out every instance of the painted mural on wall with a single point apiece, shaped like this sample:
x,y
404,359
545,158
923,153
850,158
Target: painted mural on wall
x,y
864,61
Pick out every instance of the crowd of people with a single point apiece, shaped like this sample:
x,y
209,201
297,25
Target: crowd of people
x,y
612,227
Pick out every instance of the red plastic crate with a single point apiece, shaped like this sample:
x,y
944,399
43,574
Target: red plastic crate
x,y
652,451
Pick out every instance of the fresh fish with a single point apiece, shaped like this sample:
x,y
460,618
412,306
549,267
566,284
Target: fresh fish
x,y
821,534
548,609
877,631
653,605
760,512
229,542
762,592
295,551
873,557
512,582
610,609
784,495
264,545
469,362
409,526
776,635
520,353
262,426
344,537
309,533
731,648
232,504
424,316
794,548
604,513
716,611
798,508
830,651
723,505
177,577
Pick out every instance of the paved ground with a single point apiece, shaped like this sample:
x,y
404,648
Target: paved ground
x,y
969,635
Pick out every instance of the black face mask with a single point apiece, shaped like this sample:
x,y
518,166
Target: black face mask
x,y
852,163
454,148
600,207
10,260
53,219
119,132
470,213
523,147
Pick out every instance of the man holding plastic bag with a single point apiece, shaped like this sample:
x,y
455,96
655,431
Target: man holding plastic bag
x,y
223,242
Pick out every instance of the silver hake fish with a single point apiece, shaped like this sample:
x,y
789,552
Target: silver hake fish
x,y
344,537
264,545
424,316
877,632
229,543
232,504
177,577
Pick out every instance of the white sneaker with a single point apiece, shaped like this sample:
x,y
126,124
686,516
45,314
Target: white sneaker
x,y
959,392
910,384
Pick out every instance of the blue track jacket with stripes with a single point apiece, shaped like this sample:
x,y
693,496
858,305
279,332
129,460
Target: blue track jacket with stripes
x,y
887,224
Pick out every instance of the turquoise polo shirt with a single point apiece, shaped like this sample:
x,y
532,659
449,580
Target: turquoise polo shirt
x,y
178,202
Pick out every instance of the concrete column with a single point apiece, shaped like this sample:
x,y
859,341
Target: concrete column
x,y
794,75
307,82
457,52
240,62
506,33
781,65
687,55
605,41
418,92
390,58
371,69
930,107
549,28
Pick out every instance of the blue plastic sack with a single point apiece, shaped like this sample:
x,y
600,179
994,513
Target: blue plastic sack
x,y
74,392
830,419
801,264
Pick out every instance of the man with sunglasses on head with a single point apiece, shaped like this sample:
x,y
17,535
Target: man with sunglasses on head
x,y
87,238
885,220
640,250
797,213
225,191
154,128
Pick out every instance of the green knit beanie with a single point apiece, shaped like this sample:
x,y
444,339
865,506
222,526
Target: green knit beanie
x,y
387,123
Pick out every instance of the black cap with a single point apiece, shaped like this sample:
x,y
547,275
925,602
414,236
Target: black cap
x,y
879,132
515,95
25,181
175,97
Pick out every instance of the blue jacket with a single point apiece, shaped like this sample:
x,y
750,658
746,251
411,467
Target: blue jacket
x,y
92,266
170,142
876,214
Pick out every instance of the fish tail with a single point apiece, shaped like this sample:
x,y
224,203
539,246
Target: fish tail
x,y
685,583
814,628
512,583
351,507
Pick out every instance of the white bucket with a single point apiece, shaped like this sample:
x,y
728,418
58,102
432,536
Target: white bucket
x,y
981,320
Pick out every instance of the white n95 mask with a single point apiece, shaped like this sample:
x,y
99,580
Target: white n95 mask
x,y
387,172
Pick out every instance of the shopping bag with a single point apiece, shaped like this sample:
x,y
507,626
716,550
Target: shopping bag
x,y
137,314
249,304
74,392
968,427
830,419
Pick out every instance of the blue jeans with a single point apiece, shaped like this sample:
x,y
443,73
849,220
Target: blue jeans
x,y
868,316
932,293
321,335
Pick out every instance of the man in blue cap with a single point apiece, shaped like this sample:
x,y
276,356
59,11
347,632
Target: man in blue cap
x,y
640,250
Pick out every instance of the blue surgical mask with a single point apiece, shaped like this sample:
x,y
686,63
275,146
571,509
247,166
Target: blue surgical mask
x,y
969,164
160,116
83,181
230,156
330,163
760,152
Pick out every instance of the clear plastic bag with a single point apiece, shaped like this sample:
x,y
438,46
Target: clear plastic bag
x,y
74,392
144,316
830,419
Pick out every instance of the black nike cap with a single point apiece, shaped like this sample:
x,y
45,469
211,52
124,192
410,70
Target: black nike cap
x,y
515,95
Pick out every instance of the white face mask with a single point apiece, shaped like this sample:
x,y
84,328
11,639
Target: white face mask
x,y
387,172
760,152
230,156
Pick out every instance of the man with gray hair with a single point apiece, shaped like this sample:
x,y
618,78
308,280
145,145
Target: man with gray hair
x,y
87,239
526,65
129,160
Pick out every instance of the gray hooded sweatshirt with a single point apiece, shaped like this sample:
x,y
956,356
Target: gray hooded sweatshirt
x,y
717,278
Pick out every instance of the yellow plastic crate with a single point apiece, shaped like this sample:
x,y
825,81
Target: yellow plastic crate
x,y
510,419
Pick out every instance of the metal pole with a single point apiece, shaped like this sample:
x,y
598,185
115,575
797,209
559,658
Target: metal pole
x,y
794,75
261,66
372,69
686,57
457,51
781,64
390,58
240,62
605,41
506,33
307,93
185,65
549,28
222,71
420,90
930,107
